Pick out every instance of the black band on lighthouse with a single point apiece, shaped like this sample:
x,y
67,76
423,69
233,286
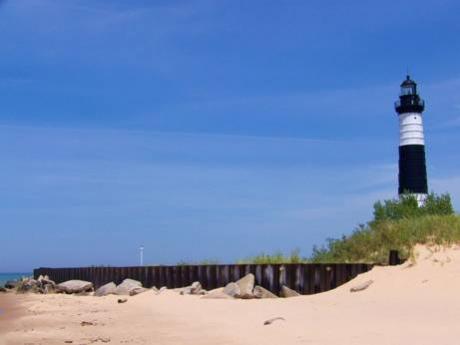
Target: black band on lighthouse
x,y
412,169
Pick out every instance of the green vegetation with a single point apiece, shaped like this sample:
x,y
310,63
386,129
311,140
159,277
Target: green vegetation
x,y
276,258
201,262
397,224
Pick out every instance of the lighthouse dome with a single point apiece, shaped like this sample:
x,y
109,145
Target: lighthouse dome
x,y
408,87
409,100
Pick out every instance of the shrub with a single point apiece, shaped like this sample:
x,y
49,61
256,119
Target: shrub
x,y
397,224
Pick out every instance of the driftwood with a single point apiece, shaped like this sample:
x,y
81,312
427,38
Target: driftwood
x,y
362,286
270,321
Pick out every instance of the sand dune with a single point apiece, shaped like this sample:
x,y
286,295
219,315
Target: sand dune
x,y
413,303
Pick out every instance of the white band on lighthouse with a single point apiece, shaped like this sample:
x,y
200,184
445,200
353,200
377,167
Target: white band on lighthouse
x,y
411,129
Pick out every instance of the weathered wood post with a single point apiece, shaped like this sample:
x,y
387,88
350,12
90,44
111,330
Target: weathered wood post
x,y
394,259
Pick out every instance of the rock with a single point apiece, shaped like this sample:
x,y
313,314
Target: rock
x,y
287,292
45,285
163,288
122,300
129,287
232,290
362,286
155,290
270,321
49,288
194,289
11,284
2,289
74,286
28,285
217,294
260,292
107,289
87,323
137,291
45,280
246,285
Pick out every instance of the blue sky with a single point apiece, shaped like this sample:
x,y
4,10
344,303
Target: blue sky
x,y
210,129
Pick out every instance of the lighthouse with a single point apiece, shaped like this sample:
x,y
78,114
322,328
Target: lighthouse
x,y
412,166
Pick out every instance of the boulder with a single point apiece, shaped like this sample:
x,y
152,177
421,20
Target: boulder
x,y
287,292
217,294
28,285
232,289
260,292
44,280
137,291
194,289
74,286
2,289
246,285
49,288
11,284
107,289
130,287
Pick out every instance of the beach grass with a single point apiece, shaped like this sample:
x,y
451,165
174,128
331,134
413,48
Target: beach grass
x,y
398,224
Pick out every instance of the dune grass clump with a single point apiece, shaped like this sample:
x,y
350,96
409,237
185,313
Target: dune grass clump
x,y
275,258
398,224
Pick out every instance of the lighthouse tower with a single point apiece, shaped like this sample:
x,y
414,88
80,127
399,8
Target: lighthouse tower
x,y
412,166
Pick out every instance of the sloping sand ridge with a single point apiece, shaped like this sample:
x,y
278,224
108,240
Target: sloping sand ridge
x,y
411,303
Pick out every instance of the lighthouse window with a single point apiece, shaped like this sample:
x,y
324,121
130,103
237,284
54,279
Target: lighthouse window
x,y
406,91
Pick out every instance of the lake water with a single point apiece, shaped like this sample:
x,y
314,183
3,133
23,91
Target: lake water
x,y
4,277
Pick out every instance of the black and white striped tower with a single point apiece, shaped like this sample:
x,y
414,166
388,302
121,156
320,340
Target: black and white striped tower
x,y
412,166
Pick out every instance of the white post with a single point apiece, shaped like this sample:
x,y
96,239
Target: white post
x,y
141,255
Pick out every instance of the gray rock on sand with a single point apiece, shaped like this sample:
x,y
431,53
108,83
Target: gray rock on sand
x,y
11,284
287,292
130,287
46,285
28,285
45,280
232,289
260,292
49,288
217,294
107,289
246,285
74,286
362,286
194,289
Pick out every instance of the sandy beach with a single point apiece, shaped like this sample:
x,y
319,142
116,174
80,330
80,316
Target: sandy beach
x,y
411,303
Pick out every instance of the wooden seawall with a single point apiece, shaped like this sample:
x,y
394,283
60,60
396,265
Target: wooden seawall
x,y
304,278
